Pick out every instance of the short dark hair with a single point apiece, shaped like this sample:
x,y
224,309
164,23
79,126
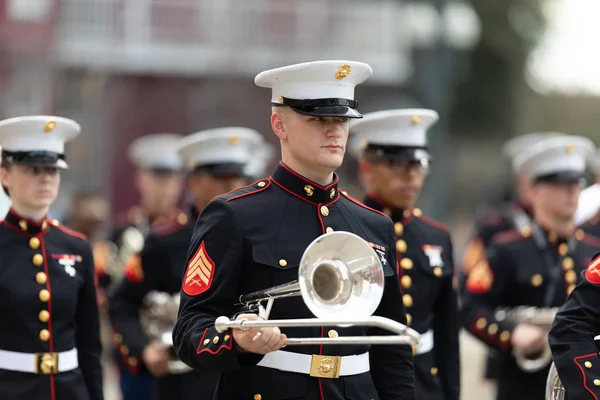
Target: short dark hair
x,y
5,164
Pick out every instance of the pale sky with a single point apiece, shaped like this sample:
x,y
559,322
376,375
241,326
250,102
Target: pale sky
x,y
568,57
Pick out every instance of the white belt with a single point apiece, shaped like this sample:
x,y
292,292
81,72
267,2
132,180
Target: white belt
x,y
426,343
319,366
39,363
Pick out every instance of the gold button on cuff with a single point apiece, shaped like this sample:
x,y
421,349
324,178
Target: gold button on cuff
x,y
282,262
44,295
206,342
34,243
481,323
398,228
44,316
41,278
401,246
324,211
588,364
329,229
407,300
406,263
38,260
44,335
216,339
332,334
406,281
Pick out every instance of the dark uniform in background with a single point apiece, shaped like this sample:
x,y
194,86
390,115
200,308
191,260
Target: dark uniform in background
x,y
253,238
393,144
531,267
572,335
50,340
159,267
491,221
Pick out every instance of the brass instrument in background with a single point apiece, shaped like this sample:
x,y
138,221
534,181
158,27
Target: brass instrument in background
x,y
131,243
554,387
341,281
541,317
157,319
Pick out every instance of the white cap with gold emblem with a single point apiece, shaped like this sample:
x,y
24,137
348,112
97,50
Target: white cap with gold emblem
x,y
156,152
561,158
319,88
221,151
394,133
37,140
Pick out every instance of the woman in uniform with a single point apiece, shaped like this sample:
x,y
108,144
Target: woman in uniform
x,y
49,331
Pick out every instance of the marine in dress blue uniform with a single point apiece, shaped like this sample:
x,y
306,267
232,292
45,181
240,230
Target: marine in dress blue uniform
x,y
50,341
216,158
537,266
392,148
253,238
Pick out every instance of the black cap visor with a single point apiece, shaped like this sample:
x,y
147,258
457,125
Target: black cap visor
x,y
36,159
561,177
334,107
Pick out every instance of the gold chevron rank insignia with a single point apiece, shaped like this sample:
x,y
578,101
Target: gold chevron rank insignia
x,y
199,273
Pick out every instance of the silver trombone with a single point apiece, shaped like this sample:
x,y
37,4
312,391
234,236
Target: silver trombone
x,y
341,281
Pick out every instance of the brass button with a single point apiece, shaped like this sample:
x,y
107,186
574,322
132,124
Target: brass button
x,y
563,249
44,316
406,281
398,228
406,263
324,211
38,260
570,289
493,329
124,350
34,243
55,222
182,219
571,276
282,262
401,246
332,334
417,212
588,364
45,225
407,300
226,338
206,342
132,361
261,184
329,229
526,231
579,234
23,225
434,371
408,319
216,339
118,337
257,396
481,323
505,336
536,280
40,278
597,382
44,335
44,295
568,263
437,271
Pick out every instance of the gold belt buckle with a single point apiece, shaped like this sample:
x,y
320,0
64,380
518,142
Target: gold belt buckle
x,y
46,363
325,366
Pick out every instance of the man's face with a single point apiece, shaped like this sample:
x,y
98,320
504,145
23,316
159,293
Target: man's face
x,y
160,191
317,142
397,184
35,188
558,199
204,186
